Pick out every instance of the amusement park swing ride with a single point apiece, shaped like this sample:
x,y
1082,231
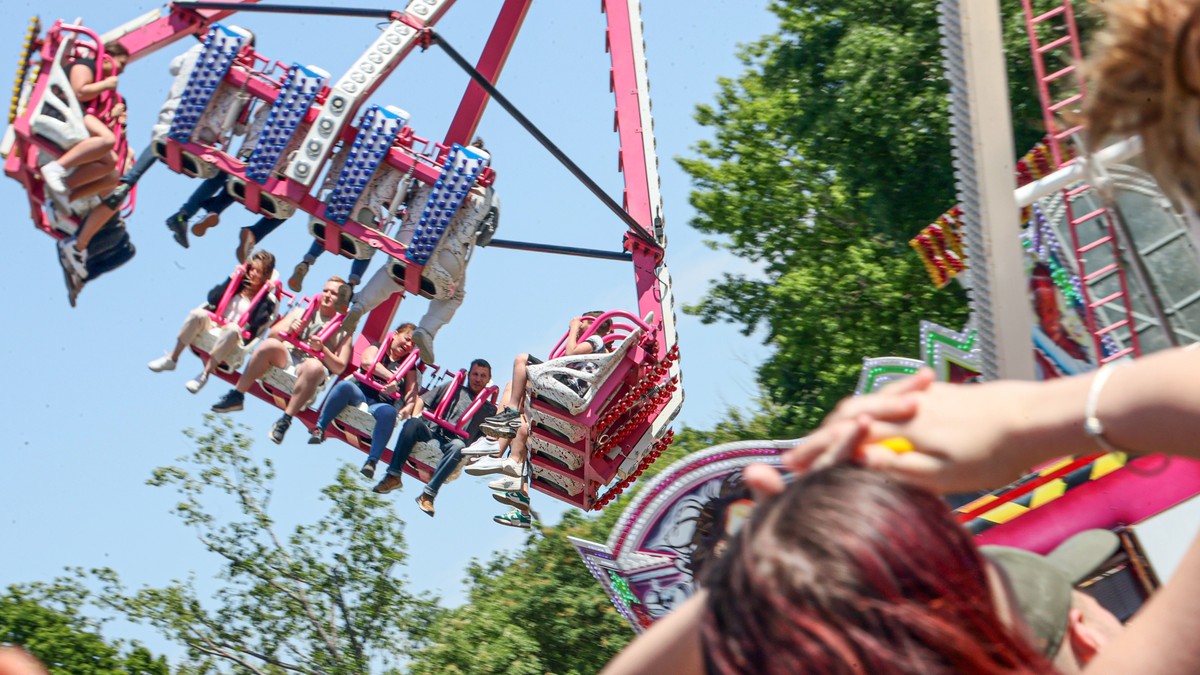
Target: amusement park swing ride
x,y
316,146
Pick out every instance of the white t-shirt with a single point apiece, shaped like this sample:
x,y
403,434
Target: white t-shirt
x,y
237,306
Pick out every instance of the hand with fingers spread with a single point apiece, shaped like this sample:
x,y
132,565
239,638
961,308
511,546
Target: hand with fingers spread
x,y
945,437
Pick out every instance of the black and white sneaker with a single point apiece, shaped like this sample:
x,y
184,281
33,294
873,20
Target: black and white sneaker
x,y
72,259
280,428
502,425
74,283
231,401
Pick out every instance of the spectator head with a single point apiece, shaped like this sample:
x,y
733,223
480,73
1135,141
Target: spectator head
x,y
118,53
849,570
1147,82
1066,625
479,375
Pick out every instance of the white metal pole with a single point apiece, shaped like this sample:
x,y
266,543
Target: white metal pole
x,y
981,130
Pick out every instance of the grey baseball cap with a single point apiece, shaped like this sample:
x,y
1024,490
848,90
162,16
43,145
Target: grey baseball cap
x,y
1042,584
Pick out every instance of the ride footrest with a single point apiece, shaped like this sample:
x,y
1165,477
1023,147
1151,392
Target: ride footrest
x,y
296,95
221,46
459,172
374,140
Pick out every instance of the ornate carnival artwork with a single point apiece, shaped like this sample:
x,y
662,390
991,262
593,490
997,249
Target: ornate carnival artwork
x,y
673,530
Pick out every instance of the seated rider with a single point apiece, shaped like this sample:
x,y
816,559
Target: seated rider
x,y
258,273
383,403
418,429
90,166
506,423
474,224
181,67
311,373
102,141
73,251
509,423
358,266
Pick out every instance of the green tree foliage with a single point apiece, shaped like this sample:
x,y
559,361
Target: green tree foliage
x,y
46,619
540,610
830,151
325,598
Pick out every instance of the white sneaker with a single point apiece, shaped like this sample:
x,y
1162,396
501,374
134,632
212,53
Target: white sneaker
x,y
490,465
197,383
162,363
54,175
72,258
424,342
483,446
506,484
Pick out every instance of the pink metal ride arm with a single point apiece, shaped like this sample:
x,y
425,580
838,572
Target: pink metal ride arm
x,y
639,197
160,32
491,62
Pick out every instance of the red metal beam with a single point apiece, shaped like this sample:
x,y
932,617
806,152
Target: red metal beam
x,y
491,62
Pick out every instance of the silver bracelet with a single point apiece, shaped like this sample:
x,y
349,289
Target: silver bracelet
x,y
1091,422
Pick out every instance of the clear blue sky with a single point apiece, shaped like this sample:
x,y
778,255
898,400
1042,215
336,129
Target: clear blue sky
x,y
87,421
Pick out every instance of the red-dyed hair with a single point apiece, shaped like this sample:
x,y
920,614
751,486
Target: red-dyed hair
x,y
848,571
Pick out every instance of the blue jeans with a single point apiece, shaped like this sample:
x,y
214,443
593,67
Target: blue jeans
x,y
350,393
357,267
211,196
263,227
144,161
416,431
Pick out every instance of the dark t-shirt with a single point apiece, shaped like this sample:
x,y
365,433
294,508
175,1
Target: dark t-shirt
x,y
374,395
90,64
458,406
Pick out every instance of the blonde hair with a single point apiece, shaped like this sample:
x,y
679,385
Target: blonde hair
x,y
1145,73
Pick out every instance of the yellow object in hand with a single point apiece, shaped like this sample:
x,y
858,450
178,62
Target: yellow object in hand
x,y
897,444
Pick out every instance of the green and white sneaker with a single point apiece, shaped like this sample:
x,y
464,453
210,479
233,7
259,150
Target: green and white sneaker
x,y
517,500
515,518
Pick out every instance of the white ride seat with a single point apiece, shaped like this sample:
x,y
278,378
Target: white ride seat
x,y
548,380
60,116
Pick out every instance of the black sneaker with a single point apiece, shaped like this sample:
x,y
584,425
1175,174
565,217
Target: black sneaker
x,y
280,428
503,425
317,436
230,402
118,195
177,224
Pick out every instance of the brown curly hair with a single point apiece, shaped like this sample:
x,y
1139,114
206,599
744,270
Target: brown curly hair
x,y
1145,79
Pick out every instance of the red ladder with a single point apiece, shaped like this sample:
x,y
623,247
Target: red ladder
x,y
1069,89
